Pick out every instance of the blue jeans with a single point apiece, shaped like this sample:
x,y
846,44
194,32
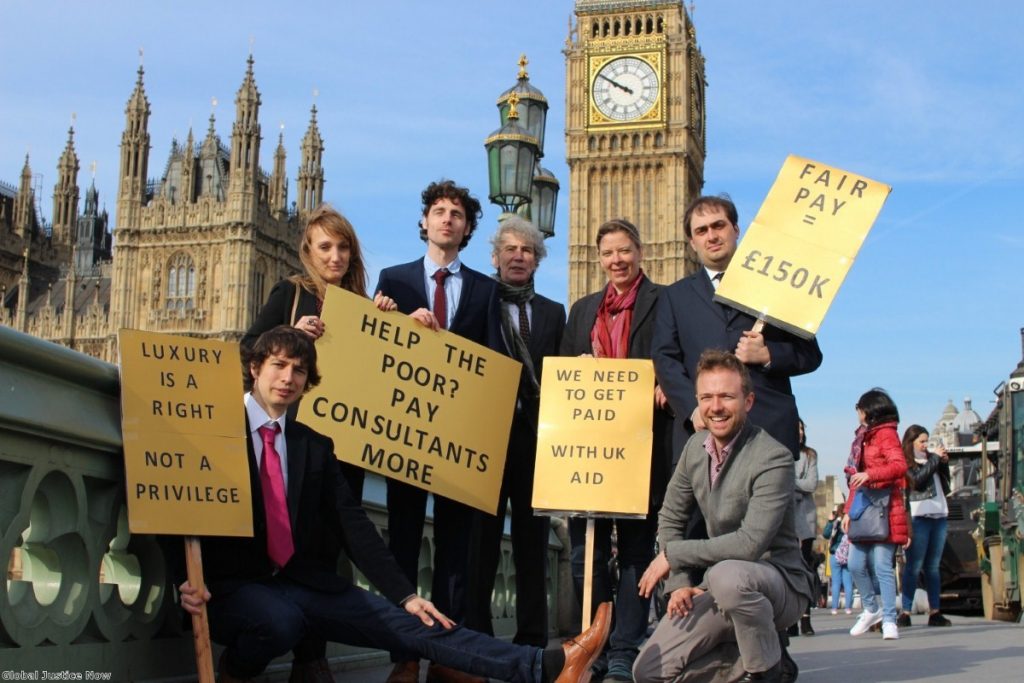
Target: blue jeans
x,y
262,620
871,565
841,578
925,552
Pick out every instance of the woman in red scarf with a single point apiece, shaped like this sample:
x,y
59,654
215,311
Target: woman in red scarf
x,y
618,322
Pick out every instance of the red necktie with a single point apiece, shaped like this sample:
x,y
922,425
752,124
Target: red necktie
x,y
280,547
440,300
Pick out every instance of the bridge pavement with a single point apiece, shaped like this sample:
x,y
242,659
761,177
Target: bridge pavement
x,y
971,650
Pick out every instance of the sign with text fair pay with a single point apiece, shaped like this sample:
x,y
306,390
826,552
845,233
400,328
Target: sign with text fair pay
x,y
594,438
800,246
431,409
186,458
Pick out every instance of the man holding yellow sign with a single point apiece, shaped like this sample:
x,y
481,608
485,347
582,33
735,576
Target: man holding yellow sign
x,y
688,321
269,591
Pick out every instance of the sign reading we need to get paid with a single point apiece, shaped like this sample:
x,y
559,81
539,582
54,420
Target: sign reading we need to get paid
x,y
800,246
428,408
594,438
183,422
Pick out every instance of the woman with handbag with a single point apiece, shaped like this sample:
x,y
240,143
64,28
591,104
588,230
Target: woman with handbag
x,y
928,486
331,257
875,518
839,556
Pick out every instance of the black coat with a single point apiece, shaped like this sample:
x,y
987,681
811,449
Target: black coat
x,y
576,341
547,327
476,317
324,516
689,321
278,310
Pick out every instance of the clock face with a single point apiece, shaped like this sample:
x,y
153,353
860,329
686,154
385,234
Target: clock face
x,y
625,88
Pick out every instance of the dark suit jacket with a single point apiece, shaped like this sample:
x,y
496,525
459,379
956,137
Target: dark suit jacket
x,y
476,317
547,324
576,341
688,321
278,310
324,516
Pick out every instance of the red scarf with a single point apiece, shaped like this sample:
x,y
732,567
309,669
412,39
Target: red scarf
x,y
609,337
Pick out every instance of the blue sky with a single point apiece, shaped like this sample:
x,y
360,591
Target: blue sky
x,y
925,95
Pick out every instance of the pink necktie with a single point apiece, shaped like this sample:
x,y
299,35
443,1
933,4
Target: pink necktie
x,y
280,547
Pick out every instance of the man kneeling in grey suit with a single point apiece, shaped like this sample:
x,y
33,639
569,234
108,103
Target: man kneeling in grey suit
x,y
756,582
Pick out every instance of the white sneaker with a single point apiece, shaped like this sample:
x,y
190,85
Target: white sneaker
x,y
849,611
865,621
835,612
890,631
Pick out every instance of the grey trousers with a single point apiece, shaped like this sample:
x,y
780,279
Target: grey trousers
x,y
745,606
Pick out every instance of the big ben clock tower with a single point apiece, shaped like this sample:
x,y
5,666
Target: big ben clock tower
x,y
634,132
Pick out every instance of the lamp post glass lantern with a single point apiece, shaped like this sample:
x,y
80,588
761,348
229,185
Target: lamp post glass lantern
x,y
518,183
532,105
543,200
511,156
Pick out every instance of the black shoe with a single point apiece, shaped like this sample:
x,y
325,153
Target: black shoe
x,y
772,675
937,619
805,625
903,620
793,631
789,668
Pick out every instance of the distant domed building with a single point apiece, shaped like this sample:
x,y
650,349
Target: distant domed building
x,y
956,427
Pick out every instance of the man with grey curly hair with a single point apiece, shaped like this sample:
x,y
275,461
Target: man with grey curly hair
x,y
531,327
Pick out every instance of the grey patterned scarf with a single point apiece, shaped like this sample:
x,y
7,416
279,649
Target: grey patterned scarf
x,y
516,295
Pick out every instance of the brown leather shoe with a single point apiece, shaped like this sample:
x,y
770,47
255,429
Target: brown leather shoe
x,y
405,672
438,673
315,671
582,651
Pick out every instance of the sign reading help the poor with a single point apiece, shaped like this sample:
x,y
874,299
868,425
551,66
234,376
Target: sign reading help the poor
x,y
594,438
183,422
800,246
431,409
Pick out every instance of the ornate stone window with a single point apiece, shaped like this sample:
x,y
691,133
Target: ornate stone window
x,y
181,282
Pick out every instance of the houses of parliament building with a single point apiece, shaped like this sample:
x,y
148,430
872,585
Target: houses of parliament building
x,y
197,250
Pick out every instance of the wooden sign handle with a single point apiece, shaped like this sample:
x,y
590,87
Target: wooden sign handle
x,y
758,326
200,622
588,574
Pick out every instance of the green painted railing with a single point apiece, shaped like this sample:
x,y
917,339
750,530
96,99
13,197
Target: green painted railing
x,y
83,594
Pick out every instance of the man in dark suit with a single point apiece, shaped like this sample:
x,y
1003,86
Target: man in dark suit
x,y
440,292
688,321
756,581
269,591
531,327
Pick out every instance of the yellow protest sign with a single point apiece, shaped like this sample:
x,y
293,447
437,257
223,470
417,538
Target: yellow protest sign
x,y
428,408
800,246
594,438
185,451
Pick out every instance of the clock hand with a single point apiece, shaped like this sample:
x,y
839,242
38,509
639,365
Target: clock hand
x,y
628,91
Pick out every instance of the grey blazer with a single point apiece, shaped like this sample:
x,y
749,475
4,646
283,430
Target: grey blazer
x,y
749,513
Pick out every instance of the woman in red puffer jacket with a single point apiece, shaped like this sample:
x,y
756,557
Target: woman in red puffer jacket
x,y
877,462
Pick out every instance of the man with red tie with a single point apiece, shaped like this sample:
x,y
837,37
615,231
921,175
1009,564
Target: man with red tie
x,y
269,591
440,292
